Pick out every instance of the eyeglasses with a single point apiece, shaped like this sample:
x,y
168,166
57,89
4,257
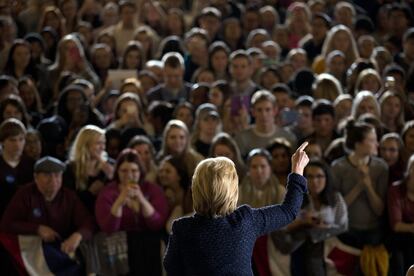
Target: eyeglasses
x,y
317,176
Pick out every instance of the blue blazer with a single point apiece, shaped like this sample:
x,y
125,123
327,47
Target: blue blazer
x,y
200,245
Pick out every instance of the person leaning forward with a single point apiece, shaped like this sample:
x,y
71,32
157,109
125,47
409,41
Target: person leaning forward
x,y
47,209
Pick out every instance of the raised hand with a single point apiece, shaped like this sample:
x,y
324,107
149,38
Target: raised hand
x,y
300,159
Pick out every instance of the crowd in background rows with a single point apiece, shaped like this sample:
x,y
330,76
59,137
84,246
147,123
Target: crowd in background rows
x,y
249,80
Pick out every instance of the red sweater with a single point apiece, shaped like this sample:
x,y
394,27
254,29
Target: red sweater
x,y
129,220
65,213
400,208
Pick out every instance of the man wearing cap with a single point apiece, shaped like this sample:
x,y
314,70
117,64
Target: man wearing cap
x,y
47,209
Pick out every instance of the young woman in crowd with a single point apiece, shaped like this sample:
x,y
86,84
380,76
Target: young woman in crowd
x,y
129,113
400,206
365,102
259,188
224,145
13,107
31,99
338,38
88,167
207,125
390,149
323,215
362,179
146,151
392,111
129,202
219,59
133,57
176,142
184,112
280,150
174,179
71,57
407,136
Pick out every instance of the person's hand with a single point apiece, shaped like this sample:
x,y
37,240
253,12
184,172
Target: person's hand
x,y
108,85
123,195
365,177
108,169
133,200
300,159
96,186
70,245
309,218
47,234
364,169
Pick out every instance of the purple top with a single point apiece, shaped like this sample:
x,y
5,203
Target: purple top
x,y
129,221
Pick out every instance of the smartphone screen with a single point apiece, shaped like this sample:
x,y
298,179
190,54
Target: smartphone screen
x,y
237,102
289,116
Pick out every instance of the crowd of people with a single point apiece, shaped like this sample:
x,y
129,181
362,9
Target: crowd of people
x,y
107,107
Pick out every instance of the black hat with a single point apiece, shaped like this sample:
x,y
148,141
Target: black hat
x,y
49,164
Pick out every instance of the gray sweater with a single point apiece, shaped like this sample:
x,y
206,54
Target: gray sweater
x,y
360,212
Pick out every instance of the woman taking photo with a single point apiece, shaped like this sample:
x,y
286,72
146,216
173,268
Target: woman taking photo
x,y
129,203
224,234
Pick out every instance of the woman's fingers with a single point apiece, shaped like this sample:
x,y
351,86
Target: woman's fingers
x,y
303,146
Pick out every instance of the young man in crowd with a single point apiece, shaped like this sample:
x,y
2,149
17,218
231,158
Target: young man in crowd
x,y
258,135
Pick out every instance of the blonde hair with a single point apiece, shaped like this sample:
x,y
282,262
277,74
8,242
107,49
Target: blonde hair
x,y
366,73
351,53
165,150
327,87
215,187
359,98
80,155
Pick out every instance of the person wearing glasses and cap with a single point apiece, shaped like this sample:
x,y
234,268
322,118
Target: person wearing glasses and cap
x,y
47,209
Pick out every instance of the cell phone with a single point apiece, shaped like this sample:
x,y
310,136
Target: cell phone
x,y
130,109
289,116
74,53
390,82
237,102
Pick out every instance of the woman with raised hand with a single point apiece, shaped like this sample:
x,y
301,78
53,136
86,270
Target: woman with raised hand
x,y
88,168
219,238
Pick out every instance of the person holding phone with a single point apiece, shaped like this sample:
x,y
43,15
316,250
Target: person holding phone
x,y
219,238
130,203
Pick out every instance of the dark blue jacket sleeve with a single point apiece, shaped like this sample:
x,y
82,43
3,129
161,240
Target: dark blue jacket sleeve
x,y
173,262
271,218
